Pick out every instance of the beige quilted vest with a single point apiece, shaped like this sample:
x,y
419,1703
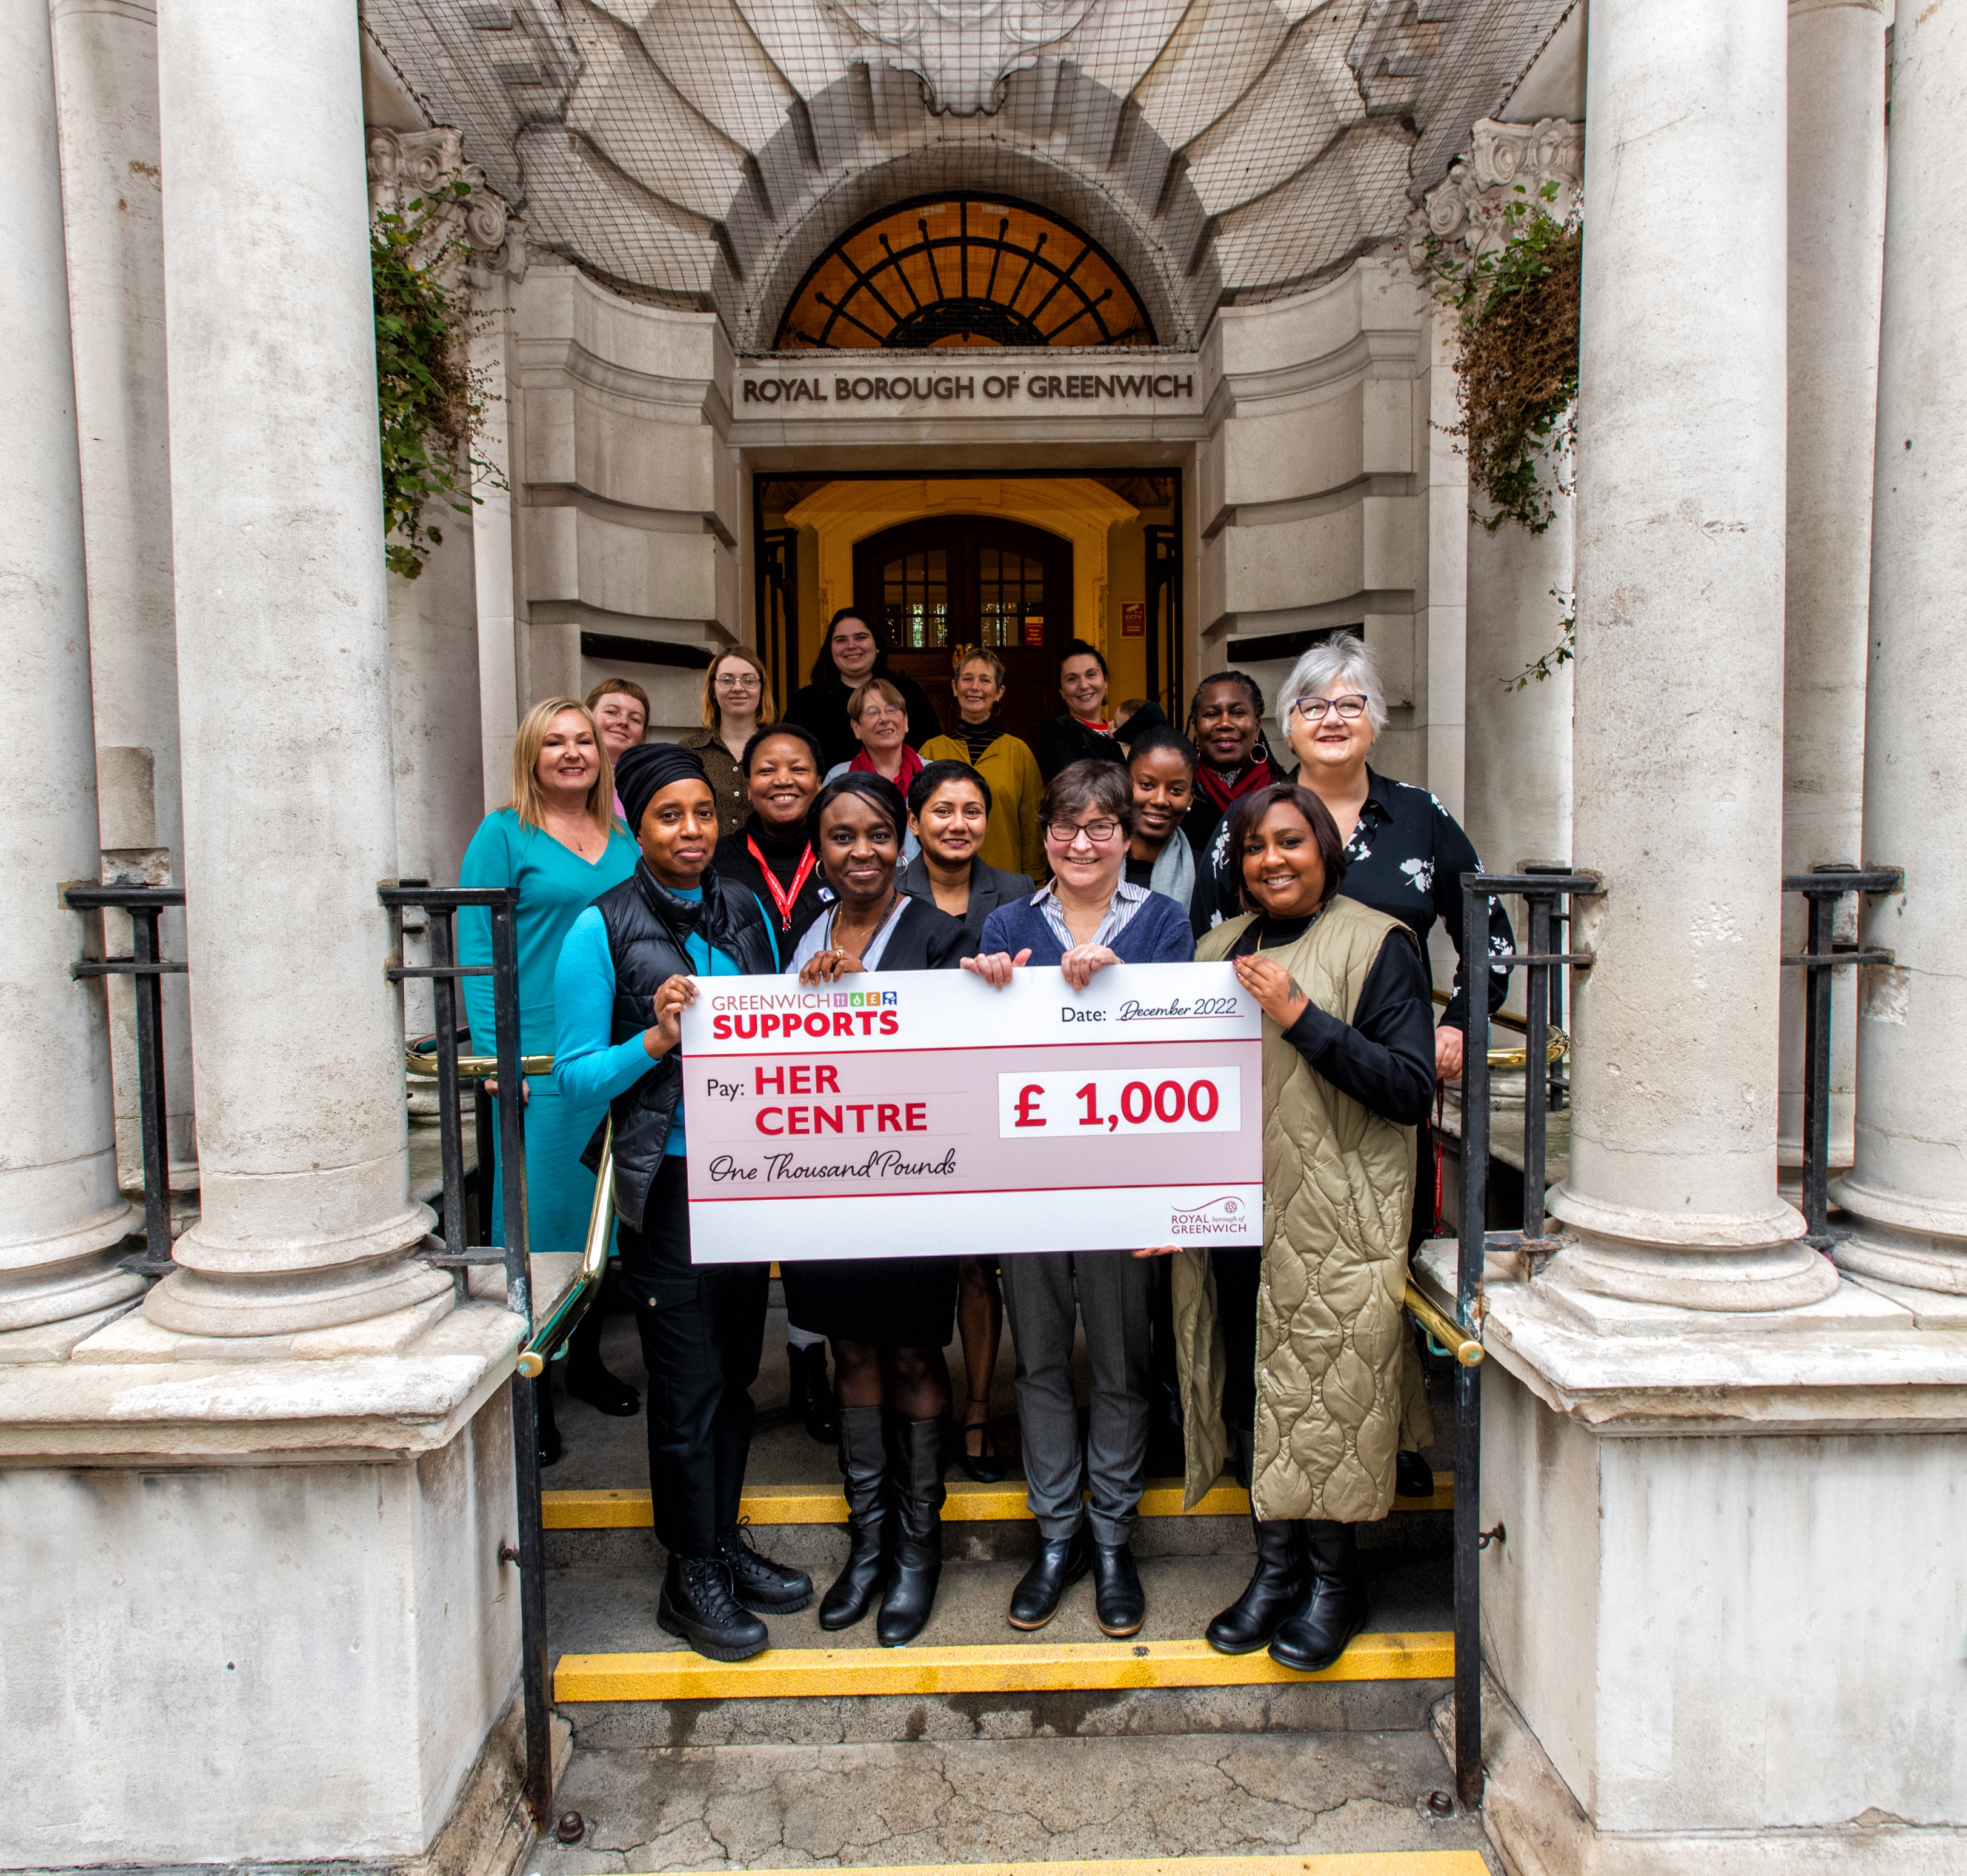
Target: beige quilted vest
x,y
1338,1197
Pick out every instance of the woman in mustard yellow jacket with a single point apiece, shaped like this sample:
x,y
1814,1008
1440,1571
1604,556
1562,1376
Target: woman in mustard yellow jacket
x,y
1012,840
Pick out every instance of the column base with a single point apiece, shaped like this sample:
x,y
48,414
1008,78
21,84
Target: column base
x,y
1918,1244
1731,1262
229,1290
59,1279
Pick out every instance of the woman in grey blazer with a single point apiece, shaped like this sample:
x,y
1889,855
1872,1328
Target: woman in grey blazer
x,y
949,807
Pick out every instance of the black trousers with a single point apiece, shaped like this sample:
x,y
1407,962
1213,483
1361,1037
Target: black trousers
x,y
702,1331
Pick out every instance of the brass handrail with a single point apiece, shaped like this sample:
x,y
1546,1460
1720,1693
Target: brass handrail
x,y
469,1067
1465,1348
547,1337
1555,1048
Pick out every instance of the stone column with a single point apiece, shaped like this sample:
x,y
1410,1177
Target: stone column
x,y
1518,741
283,659
1836,230
59,1208
1678,740
1908,1188
106,73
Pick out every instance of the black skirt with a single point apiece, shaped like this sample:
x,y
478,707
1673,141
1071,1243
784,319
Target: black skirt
x,y
896,1303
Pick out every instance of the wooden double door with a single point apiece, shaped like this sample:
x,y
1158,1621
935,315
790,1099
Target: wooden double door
x,y
968,579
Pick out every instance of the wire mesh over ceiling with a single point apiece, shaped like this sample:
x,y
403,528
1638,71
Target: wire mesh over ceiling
x,y
963,272
709,153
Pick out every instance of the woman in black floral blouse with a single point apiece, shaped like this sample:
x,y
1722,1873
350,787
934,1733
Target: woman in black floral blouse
x,y
1405,855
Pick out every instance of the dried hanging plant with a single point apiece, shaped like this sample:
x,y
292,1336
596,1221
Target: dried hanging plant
x,y
1517,300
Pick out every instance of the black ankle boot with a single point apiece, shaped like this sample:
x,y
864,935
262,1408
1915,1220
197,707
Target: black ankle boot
x,y
1335,1610
812,1393
696,1606
1277,1589
864,1464
607,1393
757,1583
1413,1477
917,1561
1060,1562
1120,1603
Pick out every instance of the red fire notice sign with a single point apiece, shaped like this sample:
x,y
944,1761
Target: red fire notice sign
x,y
868,1120
1134,619
1035,631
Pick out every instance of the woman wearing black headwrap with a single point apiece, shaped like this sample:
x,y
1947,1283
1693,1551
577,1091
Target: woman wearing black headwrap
x,y
626,973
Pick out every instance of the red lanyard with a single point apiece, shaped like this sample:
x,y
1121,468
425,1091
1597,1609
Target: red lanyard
x,y
780,897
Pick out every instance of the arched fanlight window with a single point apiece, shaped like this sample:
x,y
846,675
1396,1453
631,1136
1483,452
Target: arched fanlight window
x,y
963,270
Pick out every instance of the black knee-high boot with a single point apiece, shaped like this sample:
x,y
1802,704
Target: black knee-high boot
x,y
1336,1611
1277,1589
917,1563
864,1464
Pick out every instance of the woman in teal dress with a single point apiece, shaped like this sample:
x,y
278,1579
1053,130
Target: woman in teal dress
x,y
558,841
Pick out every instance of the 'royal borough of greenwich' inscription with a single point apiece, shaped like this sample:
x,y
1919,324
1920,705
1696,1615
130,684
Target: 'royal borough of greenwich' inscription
x,y
957,388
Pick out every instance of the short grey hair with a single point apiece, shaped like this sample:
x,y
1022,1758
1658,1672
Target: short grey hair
x,y
1343,655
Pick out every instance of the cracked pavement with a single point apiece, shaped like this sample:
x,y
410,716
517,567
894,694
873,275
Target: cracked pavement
x,y
1006,1801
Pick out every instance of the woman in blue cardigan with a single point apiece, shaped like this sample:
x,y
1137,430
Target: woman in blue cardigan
x,y
1086,918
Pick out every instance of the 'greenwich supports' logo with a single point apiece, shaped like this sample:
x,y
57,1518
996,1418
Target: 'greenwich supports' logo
x,y
816,1013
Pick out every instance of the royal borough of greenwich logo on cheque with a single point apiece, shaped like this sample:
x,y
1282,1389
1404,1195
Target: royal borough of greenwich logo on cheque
x,y
1225,1217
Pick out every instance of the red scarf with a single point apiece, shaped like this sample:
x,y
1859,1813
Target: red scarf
x,y
912,765
1258,774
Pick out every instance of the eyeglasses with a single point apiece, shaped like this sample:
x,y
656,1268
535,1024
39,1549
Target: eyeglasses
x,y
1097,832
730,680
1350,709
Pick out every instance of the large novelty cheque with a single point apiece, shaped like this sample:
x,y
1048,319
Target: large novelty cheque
x,y
923,1113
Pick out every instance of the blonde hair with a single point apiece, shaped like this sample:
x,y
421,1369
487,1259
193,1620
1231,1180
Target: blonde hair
x,y
765,707
620,687
858,701
528,800
965,655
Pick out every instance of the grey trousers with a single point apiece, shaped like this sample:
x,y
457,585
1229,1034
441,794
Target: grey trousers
x,y
1110,1290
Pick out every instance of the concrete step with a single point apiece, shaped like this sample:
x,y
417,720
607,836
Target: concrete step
x,y
620,1681
1350,1804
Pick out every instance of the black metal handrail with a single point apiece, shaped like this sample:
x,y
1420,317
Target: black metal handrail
x,y
451,1252
1821,956
1544,892
146,966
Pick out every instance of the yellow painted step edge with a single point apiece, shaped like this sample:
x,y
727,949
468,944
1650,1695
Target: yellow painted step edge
x,y
605,1510
1005,1667
1340,1863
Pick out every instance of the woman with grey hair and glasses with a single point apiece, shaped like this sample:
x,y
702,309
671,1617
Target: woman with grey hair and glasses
x,y
1405,855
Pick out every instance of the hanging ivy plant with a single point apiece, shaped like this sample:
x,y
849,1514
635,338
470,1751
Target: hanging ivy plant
x,y
429,407
1516,298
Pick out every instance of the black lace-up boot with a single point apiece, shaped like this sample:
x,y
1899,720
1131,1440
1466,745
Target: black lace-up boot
x,y
696,1606
870,1524
758,1584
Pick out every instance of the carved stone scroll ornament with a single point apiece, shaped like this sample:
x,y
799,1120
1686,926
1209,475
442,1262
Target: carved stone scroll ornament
x,y
479,237
1510,162
961,50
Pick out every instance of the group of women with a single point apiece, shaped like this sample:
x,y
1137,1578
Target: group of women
x,y
842,840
